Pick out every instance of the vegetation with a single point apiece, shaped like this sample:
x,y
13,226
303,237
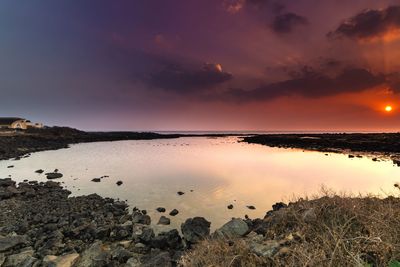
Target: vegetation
x,y
331,230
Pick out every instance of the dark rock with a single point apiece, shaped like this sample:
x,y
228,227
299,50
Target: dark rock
x,y
119,183
142,233
22,259
138,217
195,229
9,242
156,259
164,220
53,175
6,182
11,166
279,205
351,156
251,207
121,254
96,180
232,229
180,193
174,212
39,171
230,206
160,209
165,240
96,255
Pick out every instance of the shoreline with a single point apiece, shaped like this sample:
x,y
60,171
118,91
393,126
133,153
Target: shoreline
x,y
384,145
21,143
41,225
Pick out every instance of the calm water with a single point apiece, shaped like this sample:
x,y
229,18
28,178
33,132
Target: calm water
x,y
220,171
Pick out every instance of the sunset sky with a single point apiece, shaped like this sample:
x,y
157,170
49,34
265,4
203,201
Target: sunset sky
x,y
331,65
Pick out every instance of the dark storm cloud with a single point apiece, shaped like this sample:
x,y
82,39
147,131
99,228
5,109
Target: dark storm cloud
x,y
285,23
188,80
313,84
369,24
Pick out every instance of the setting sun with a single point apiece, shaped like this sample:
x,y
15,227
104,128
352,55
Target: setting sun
x,y
388,108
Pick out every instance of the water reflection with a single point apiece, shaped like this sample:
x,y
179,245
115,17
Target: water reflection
x,y
220,171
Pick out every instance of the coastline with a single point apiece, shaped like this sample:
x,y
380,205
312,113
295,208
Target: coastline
x,y
42,226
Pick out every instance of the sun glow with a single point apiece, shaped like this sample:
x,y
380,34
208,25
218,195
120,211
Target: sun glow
x,y
388,108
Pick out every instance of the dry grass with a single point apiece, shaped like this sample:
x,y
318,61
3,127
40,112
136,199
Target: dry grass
x,y
330,231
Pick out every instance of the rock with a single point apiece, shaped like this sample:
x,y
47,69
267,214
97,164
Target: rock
x,y
279,205
160,209
119,183
39,171
265,249
121,255
133,262
230,206
67,260
96,180
164,220
142,233
165,240
138,217
97,255
351,156
251,207
6,182
156,259
53,175
2,259
195,229
180,193
11,166
174,212
24,258
9,242
234,228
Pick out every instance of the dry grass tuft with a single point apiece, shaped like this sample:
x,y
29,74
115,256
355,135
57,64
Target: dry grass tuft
x,y
330,231
217,252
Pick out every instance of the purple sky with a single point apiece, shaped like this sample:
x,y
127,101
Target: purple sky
x,y
202,65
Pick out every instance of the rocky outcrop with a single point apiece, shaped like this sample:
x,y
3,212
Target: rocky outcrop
x,y
195,229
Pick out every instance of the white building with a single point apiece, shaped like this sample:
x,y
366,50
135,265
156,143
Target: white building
x,y
18,123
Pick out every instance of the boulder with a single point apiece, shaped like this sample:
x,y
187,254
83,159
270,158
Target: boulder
x,y
160,209
121,254
180,193
9,242
53,175
195,229
230,206
265,249
174,212
39,171
165,240
97,255
164,220
119,183
67,260
138,217
24,258
157,258
96,180
6,182
250,207
279,205
142,233
234,228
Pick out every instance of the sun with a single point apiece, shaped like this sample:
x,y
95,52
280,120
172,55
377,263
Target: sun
x,y
388,108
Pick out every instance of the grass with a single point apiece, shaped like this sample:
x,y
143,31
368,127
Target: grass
x,y
331,230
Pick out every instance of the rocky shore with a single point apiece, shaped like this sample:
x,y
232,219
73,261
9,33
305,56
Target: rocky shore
x,y
40,225
385,144
20,143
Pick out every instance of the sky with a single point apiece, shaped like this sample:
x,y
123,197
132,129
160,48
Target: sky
x,y
163,65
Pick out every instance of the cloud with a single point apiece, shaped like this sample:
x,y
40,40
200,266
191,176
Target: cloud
x,y
285,23
369,24
312,84
234,6
178,79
